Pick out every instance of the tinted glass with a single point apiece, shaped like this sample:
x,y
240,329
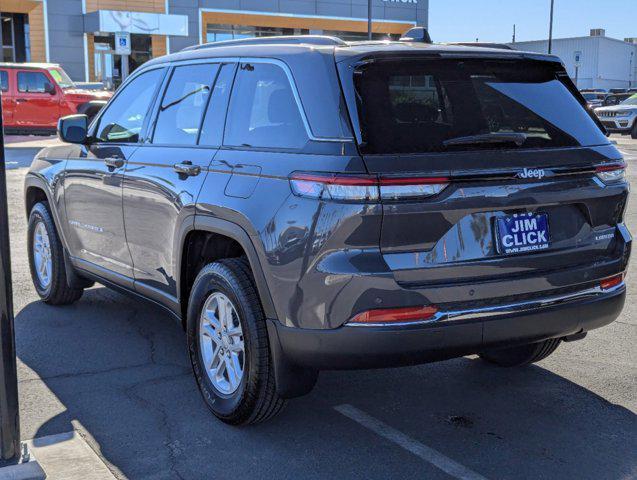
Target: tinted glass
x,y
4,80
32,82
427,106
263,110
183,105
212,128
123,119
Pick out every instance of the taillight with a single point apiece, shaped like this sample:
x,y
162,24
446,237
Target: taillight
x,y
397,188
611,173
395,315
611,282
366,188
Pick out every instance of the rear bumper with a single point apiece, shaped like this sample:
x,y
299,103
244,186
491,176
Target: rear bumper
x,y
452,335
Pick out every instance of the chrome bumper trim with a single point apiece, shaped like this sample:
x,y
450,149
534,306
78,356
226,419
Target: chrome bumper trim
x,y
500,310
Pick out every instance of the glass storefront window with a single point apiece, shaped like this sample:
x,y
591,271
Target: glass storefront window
x,y
108,65
359,36
14,41
220,32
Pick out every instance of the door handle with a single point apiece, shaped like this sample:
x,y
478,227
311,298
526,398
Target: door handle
x,y
114,162
20,100
187,168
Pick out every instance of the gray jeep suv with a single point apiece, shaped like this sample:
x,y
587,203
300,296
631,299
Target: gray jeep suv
x,y
302,204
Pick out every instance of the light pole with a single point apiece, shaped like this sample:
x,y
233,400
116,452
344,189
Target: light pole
x,y
630,70
551,28
9,415
369,19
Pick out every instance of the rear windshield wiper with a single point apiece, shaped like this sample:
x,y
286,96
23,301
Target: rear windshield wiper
x,y
512,137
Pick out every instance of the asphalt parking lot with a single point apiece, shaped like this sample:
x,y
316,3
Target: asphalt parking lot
x,y
116,371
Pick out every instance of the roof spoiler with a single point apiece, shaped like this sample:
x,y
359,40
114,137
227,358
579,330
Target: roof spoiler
x,y
416,34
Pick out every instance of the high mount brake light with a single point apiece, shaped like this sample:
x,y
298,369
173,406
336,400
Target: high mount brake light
x,y
395,315
367,188
610,173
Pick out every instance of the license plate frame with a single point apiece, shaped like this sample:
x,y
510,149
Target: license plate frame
x,y
512,233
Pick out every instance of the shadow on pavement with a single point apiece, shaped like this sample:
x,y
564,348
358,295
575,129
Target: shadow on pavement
x,y
120,369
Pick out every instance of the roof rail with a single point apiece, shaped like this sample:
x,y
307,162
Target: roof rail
x,y
279,40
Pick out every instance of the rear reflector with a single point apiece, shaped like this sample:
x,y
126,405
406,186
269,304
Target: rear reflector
x,y
367,188
611,282
612,172
396,315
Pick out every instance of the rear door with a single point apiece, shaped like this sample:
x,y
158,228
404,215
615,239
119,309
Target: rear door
x,y
36,106
164,177
488,168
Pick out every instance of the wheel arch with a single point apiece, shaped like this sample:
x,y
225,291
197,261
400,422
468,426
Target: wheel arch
x,y
37,190
233,236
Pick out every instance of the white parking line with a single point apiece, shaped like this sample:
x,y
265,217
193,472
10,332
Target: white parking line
x,y
428,454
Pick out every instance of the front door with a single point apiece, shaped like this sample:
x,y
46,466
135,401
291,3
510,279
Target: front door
x,y
163,178
93,181
37,100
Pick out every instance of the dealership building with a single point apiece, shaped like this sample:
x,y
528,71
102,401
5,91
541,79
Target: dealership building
x,y
83,35
595,61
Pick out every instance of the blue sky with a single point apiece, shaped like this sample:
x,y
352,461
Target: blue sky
x,y
492,20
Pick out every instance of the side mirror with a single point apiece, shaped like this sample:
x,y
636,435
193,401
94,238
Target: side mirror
x,y
49,88
73,128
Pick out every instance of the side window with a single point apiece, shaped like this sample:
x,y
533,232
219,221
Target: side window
x,y
212,128
4,80
263,110
123,119
32,82
183,105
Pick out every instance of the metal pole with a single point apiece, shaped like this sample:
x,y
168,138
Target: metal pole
x,y
551,28
9,413
576,74
369,19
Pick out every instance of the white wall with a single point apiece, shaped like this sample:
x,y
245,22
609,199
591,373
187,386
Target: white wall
x,y
605,62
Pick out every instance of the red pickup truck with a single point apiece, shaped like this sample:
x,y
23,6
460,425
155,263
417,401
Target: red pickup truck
x,y
35,95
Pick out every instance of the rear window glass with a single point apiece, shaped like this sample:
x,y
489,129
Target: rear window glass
x,y
447,105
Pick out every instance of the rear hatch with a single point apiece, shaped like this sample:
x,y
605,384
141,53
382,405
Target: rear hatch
x,y
492,168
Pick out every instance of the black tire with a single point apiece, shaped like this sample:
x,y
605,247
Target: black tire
x,y
57,292
633,133
521,355
256,399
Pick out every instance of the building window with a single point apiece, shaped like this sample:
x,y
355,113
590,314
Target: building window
x,y
14,37
220,32
359,36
